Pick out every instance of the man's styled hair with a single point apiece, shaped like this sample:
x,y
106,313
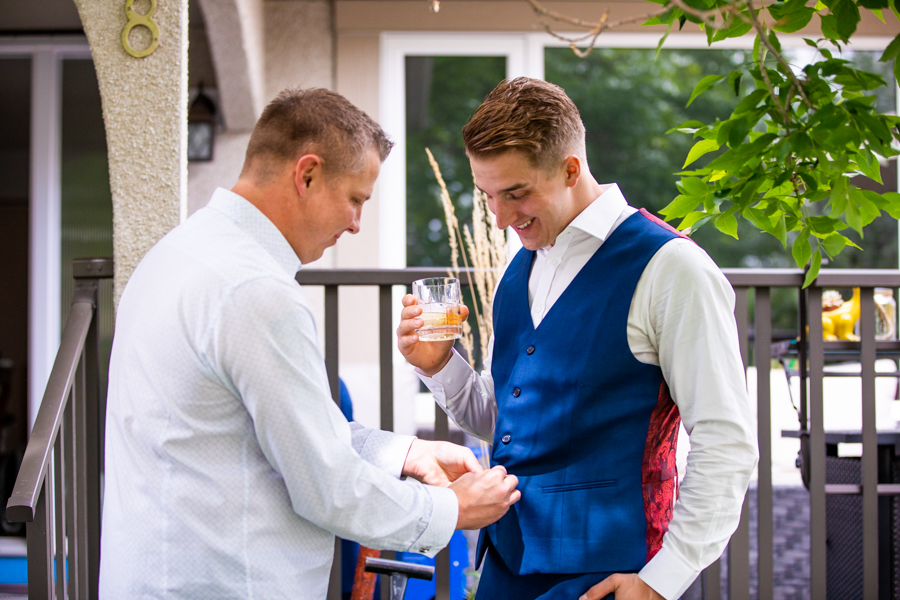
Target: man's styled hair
x,y
313,121
528,115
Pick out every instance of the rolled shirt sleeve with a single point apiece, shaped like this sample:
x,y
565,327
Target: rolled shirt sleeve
x,y
340,477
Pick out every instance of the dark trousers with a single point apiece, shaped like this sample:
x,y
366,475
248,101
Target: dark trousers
x,y
499,583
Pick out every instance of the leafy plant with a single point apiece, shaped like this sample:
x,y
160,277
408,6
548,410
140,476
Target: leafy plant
x,y
789,157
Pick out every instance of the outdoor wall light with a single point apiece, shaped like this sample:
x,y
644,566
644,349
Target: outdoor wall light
x,y
201,127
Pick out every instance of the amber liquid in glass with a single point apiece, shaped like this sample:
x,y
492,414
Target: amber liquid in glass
x,y
441,323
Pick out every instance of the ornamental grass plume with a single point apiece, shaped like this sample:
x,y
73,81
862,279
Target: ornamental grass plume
x,y
483,247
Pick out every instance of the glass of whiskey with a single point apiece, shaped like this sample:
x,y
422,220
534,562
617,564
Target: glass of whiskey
x,y
440,300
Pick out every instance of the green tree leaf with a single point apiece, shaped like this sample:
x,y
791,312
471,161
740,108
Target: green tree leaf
x,y
693,219
829,28
662,40
847,15
868,210
734,81
888,202
802,249
727,224
891,52
814,267
680,206
781,231
868,164
693,186
703,85
834,244
700,148
794,21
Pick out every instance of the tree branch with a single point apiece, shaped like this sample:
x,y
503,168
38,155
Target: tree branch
x,y
595,27
764,39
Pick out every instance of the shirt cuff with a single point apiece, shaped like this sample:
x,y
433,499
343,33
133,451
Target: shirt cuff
x,y
444,515
668,574
449,381
386,450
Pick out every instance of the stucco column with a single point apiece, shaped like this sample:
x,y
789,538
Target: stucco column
x,y
145,112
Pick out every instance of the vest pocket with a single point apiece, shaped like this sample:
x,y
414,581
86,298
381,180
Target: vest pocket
x,y
568,487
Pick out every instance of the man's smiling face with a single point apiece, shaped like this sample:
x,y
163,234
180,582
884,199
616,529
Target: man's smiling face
x,y
535,202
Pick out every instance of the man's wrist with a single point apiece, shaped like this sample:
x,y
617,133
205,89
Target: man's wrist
x,y
411,455
440,367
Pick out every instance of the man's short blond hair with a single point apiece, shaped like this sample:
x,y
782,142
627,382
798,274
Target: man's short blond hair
x,y
313,121
529,115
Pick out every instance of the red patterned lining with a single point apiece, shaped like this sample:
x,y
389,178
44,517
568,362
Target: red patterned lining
x,y
659,473
645,213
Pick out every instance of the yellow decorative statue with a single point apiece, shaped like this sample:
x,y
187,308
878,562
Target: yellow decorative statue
x,y
837,324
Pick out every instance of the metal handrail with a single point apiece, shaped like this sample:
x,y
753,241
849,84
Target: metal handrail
x,y
787,278
29,483
57,490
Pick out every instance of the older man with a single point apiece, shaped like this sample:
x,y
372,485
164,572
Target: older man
x,y
609,329
229,468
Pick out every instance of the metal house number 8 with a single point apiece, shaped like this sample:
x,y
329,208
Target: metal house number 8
x,y
136,20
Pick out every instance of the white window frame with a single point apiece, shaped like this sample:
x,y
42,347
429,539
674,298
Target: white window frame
x,y
44,254
524,54
395,47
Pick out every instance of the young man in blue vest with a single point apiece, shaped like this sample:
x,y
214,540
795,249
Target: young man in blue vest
x,y
610,329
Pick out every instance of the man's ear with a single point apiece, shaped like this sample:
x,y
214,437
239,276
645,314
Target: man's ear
x,y
572,169
307,173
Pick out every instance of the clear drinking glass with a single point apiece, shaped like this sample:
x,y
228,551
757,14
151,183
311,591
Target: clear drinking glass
x,y
440,300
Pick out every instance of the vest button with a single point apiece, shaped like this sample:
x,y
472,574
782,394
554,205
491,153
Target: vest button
x,y
516,392
529,350
506,438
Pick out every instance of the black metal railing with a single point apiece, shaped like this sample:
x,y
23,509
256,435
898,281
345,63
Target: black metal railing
x,y
57,491
812,352
384,280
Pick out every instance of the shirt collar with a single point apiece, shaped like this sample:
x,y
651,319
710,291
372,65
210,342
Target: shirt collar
x,y
599,217
258,226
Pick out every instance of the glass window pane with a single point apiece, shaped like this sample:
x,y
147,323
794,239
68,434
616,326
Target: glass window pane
x,y
442,93
86,200
15,149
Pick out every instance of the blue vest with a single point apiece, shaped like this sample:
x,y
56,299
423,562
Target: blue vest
x,y
588,429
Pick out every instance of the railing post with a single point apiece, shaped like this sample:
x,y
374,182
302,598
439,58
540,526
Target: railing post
x,y
711,581
764,499
94,411
817,534
386,355
38,534
77,587
870,444
331,341
386,385
331,367
59,510
739,546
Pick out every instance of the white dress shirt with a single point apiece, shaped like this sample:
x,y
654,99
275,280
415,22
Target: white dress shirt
x,y
229,468
682,319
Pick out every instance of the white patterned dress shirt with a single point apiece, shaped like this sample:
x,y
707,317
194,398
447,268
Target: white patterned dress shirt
x,y
682,319
229,468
